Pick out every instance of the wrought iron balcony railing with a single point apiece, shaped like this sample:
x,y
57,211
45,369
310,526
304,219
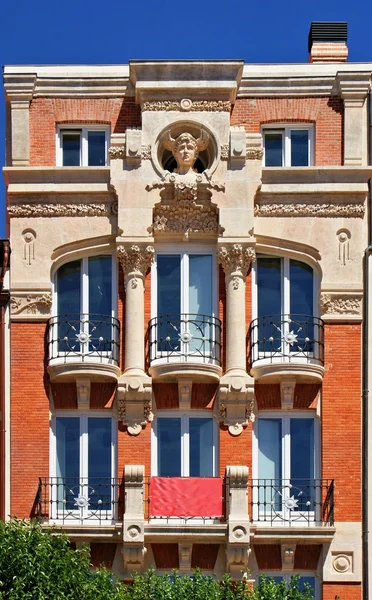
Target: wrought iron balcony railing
x,y
287,337
77,499
292,501
186,337
84,337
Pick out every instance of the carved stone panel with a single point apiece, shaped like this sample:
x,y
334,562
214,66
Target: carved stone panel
x,y
30,306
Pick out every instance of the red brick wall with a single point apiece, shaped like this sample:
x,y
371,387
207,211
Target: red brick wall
x,y
345,591
326,113
134,449
46,113
29,415
341,418
235,450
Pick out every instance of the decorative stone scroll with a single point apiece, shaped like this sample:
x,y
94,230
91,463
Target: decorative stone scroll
x,y
187,105
236,402
236,259
102,209
31,306
134,402
341,304
284,209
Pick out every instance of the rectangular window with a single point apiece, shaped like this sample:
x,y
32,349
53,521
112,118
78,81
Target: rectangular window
x,y
305,578
184,308
82,146
288,146
286,454
84,466
184,446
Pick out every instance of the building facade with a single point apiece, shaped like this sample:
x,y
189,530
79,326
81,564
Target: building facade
x,y
186,303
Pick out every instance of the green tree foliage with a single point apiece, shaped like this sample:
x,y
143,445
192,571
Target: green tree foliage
x,y
37,565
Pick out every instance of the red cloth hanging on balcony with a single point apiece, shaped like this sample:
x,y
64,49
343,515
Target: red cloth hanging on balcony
x,y
186,497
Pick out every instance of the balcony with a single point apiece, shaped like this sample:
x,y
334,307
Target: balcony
x,y
83,346
184,345
80,501
287,345
295,502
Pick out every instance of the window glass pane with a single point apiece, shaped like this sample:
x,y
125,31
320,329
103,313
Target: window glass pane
x,y
169,447
201,448
200,303
68,462
301,306
100,302
269,448
302,448
299,148
71,149
269,286
96,148
99,448
68,447
68,305
273,149
200,284
310,581
169,302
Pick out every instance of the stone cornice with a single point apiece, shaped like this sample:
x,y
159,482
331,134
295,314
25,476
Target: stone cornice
x,y
57,180
19,88
213,79
354,85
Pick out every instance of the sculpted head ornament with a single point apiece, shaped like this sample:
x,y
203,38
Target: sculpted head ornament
x,y
185,149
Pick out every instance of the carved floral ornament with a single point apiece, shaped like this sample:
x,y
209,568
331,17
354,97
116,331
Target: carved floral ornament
x,y
236,260
101,209
135,259
340,304
294,209
187,105
31,304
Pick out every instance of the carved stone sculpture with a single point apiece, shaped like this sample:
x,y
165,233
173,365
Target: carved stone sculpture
x,y
185,149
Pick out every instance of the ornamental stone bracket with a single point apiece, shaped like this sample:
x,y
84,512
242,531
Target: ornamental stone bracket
x,y
341,305
30,306
288,551
134,402
236,396
134,521
287,390
237,550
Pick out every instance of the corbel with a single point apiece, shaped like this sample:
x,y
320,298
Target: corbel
x,y
287,390
83,392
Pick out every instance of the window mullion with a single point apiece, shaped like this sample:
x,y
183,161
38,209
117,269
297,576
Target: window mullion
x,y
84,148
185,446
287,147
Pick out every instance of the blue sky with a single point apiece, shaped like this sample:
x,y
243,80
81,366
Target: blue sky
x,y
76,31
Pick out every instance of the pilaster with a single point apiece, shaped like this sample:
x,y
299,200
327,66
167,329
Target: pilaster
x,y
19,90
354,88
134,520
237,550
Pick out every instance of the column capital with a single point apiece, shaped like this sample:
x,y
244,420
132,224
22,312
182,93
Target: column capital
x,y
135,259
20,88
236,258
354,86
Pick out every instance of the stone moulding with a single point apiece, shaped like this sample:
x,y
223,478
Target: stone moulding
x,y
254,153
281,209
102,209
116,152
190,106
340,304
31,306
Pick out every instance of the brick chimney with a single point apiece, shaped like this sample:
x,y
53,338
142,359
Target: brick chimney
x,y
327,42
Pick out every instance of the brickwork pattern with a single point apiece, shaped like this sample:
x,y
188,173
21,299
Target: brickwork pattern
x,y
341,418
347,591
29,415
325,113
47,113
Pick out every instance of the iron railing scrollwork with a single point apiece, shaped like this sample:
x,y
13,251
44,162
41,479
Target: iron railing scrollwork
x,y
185,336
287,337
84,337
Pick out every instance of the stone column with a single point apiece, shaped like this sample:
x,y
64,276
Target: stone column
x,y
236,386
134,386
354,88
235,260
19,90
135,262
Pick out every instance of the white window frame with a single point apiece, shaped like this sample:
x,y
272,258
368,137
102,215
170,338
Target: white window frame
x,y
185,416
285,449
286,284
81,513
84,301
285,130
287,577
84,130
